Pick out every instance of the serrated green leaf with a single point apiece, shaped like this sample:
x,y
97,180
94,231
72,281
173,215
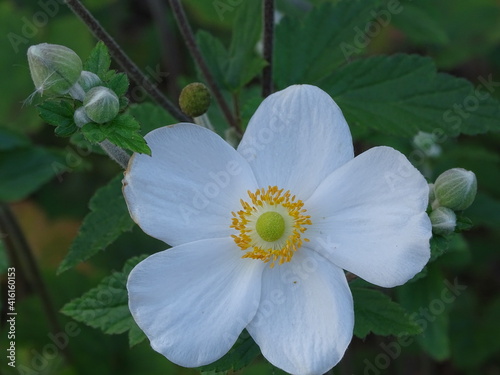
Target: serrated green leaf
x,y
123,131
118,82
311,47
428,300
106,306
239,64
107,220
60,114
244,351
404,94
25,170
98,61
375,312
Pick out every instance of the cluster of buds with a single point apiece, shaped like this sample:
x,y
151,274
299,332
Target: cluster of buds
x,y
454,190
58,70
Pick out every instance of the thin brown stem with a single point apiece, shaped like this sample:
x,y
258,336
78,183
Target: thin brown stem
x,y
195,52
20,254
168,43
267,73
350,276
128,66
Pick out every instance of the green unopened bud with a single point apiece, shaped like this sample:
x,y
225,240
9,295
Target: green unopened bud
x,y
443,221
456,189
80,117
101,104
54,68
88,80
194,99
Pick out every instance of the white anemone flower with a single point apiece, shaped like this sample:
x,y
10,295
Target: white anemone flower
x,y
261,235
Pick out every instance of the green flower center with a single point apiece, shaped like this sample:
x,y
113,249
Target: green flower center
x,y
270,226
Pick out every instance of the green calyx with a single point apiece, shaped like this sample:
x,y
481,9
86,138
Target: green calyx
x,y
270,226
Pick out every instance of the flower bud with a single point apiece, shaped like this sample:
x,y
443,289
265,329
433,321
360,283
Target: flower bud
x,y
456,189
89,80
101,104
80,117
426,142
443,221
54,68
194,99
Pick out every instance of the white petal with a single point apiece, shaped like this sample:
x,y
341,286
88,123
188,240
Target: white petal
x,y
193,300
296,138
369,218
188,188
305,319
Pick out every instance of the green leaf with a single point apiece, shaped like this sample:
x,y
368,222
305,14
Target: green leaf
x,y
311,47
106,306
244,351
463,223
215,55
403,94
107,220
439,246
244,64
150,116
118,82
123,131
419,26
239,64
99,61
60,114
24,170
375,312
428,300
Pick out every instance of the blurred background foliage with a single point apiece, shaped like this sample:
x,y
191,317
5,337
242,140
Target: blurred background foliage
x,y
463,38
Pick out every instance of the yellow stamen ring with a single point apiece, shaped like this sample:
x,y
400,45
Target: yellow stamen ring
x,y
270,225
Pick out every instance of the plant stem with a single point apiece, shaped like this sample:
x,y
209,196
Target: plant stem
x,y
195,52
116,153
267,73
168,43
350,276
20,254
123,60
